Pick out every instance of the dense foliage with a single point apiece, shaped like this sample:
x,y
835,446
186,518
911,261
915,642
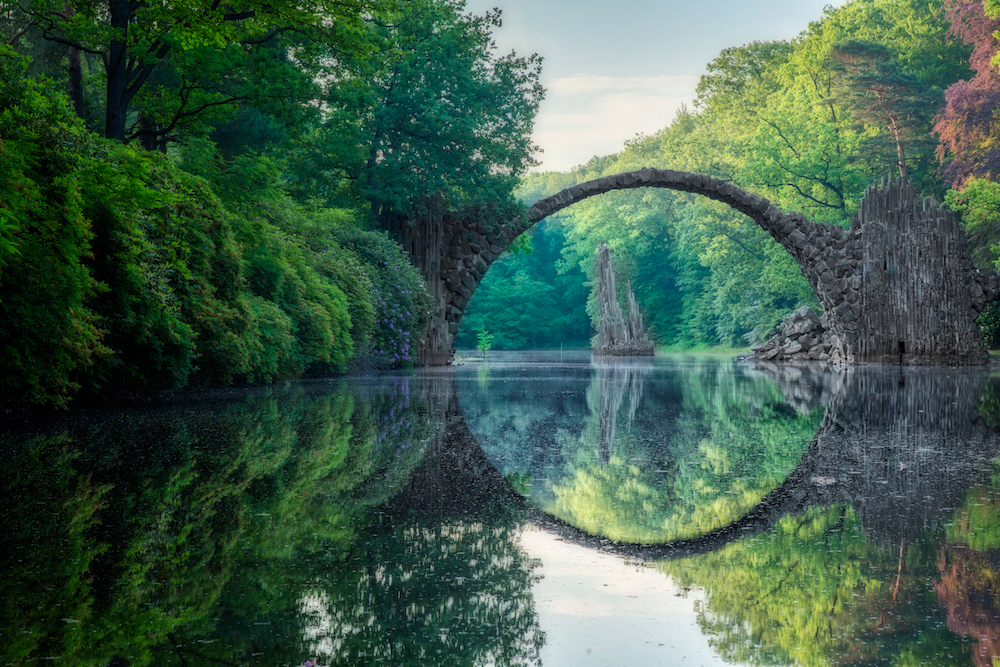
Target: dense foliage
x,y
121,269
239,245
530,300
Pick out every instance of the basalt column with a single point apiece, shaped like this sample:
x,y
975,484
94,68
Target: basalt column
x,y
919,292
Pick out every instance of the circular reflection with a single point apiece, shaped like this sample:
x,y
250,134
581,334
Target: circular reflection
x,y
642,450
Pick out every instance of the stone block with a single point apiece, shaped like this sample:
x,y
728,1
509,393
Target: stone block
x,y
797,239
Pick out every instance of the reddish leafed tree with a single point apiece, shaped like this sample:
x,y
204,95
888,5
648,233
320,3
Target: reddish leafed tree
x,y
969,128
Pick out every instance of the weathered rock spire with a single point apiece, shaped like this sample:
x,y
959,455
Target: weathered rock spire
x,y
616,335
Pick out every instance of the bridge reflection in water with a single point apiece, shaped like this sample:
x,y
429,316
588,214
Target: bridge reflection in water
x,y
900,445
879,541
824,517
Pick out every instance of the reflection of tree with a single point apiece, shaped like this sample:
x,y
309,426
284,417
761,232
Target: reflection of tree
x,y
815,591
851,583
442,578
172,526
969,567
969,591
46,513
457,593
706,444
519,423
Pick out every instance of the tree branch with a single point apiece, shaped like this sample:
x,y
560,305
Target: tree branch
x,y
19,33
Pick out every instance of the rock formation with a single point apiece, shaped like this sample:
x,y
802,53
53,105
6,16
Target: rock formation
x,y
616,335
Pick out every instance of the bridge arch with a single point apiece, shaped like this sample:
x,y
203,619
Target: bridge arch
x,y
898,286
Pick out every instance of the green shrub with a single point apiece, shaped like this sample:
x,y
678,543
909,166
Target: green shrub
x,y
281,270
119,269
47,332
343,268
402,305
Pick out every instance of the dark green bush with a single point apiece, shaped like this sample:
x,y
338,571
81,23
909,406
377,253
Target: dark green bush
x,y
282,271
119,270
47,332
343,268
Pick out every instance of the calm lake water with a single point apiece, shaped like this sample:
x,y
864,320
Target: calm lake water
x,y
533,508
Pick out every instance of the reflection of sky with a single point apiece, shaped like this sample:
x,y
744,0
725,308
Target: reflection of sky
x,y
595,609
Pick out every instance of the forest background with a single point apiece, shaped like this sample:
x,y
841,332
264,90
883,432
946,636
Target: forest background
x,y
193,195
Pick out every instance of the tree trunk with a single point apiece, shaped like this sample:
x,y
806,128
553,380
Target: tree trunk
x,y
116,114
75,72
897,134
151,141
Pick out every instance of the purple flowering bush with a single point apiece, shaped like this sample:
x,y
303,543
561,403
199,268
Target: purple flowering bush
x,y
399,296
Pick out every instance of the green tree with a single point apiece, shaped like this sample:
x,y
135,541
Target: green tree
x,y
47,330
530,300
879,92
166,61
428,110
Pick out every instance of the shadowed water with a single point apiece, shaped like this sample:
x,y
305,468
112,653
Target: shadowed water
x,y
769,515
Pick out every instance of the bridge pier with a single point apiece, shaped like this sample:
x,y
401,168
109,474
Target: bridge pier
x,y
453,252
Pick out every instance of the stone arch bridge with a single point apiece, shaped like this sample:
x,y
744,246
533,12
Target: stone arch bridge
x,y
898,286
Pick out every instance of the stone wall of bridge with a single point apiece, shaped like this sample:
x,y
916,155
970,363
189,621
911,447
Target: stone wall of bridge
x,y
897,286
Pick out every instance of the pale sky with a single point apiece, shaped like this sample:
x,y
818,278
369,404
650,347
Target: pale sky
x,y
613,70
